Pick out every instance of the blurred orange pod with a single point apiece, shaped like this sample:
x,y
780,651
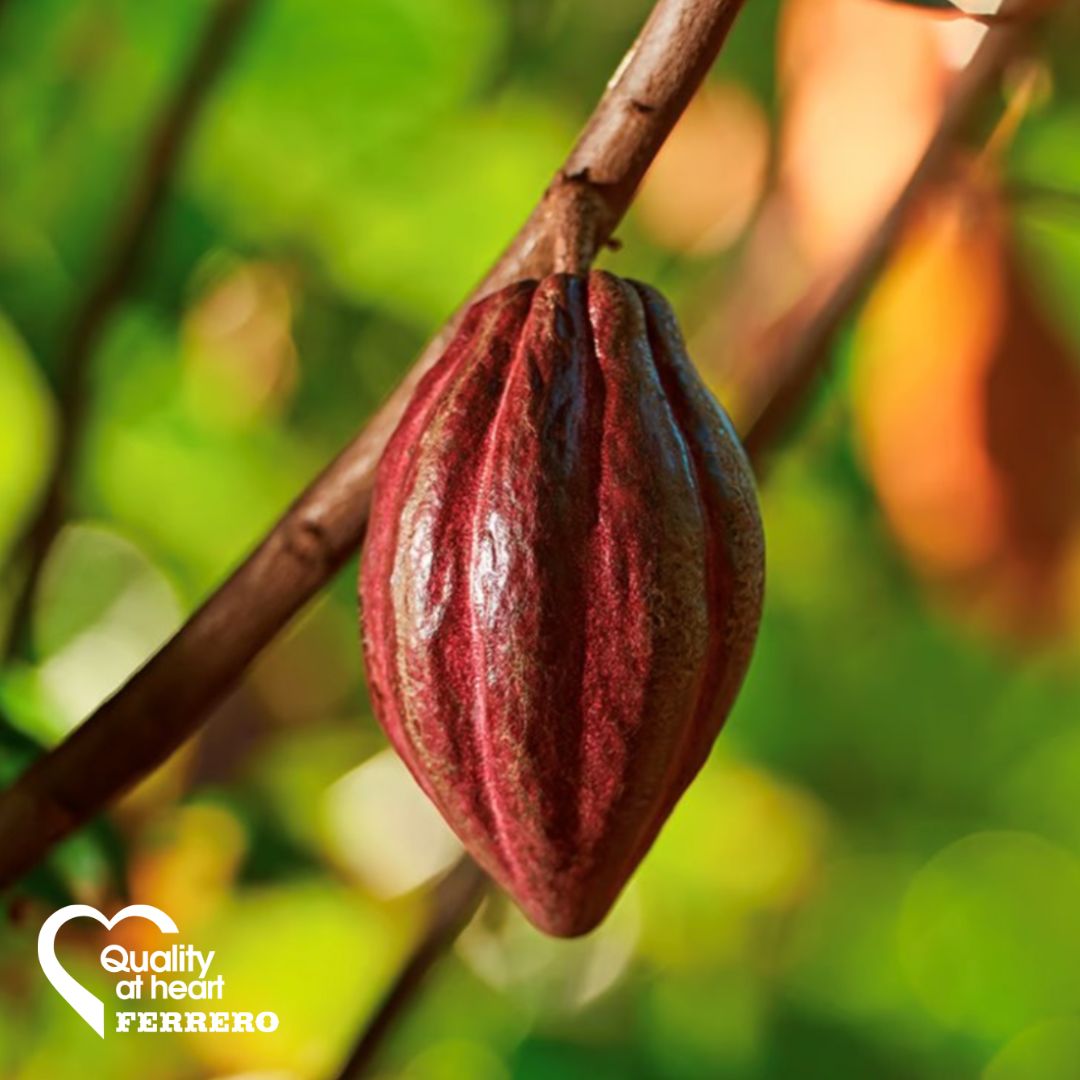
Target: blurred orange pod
x,y
863,84
968,408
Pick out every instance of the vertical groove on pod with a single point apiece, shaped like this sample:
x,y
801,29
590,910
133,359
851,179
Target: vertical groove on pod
x,y
735,537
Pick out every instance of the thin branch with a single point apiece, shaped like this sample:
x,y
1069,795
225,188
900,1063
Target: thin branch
x,y
125,245
452,904
791,355
949,9
170,698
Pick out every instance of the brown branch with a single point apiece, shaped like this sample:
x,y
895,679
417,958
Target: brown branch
x,y
167,701
125,245
452,904
796,349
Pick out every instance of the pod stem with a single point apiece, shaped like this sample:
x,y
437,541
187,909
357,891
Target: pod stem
x,y
576,225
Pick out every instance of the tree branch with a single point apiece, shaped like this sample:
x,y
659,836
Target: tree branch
x,y
127,240
167,700
780,372
452,904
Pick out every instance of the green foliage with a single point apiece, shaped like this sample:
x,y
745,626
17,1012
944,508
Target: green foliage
x,y
875,876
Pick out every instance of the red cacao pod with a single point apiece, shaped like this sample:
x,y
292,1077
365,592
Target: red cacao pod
x,y
561,586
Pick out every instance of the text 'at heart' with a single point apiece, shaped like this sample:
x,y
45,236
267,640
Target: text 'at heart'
x,y
561,586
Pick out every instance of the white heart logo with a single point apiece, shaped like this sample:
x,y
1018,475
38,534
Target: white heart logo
x,y
89,1006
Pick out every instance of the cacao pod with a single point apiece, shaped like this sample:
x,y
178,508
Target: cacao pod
x,y
561,586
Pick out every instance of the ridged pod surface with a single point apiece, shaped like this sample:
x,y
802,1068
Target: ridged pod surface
x,y
561,586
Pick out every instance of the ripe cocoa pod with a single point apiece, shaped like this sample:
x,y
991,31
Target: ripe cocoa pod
x,y
561,586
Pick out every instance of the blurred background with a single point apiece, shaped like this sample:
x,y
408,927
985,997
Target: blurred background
x,y
878,872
